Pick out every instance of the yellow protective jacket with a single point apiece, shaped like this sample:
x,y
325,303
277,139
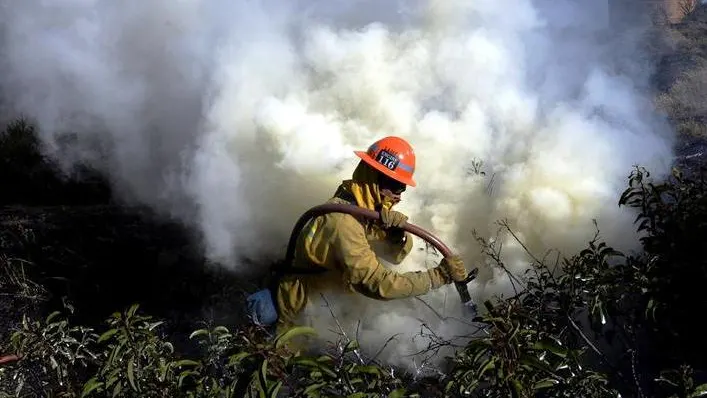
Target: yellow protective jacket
x,y
343,246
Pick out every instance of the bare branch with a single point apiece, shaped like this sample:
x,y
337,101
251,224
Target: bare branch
x,y
341,329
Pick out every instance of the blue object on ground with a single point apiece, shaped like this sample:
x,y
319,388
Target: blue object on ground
x,y
261,308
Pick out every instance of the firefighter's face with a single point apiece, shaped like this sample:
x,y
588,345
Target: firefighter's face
x,y
391,190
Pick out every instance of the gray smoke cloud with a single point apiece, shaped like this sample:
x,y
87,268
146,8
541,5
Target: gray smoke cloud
x,y
237,116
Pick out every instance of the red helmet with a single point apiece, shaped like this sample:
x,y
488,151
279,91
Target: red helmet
x,y
392,156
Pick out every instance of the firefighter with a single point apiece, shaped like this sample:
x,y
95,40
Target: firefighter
x,y
338,249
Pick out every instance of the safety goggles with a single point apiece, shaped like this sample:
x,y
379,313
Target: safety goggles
x,y
396,187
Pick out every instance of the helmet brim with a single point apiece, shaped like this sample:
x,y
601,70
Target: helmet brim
x,y
379,167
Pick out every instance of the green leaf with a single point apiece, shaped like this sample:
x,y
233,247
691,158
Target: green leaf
x,y
236,359
275,389
545,383
117,390
91,385
163,372
289,334
367,369
325,359
399,393
133,309
551,347
488,365
184,375
351,346
186,362
517,388
131,373
221,330
107,335
650,309
152,326
311,389
316,365
700,391
51,316
263,376
198,333
533,362
112,378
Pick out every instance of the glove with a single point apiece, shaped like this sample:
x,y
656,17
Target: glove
x,y
453,268
392,218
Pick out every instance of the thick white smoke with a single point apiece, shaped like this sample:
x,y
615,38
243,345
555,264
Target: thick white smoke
x,y
238,115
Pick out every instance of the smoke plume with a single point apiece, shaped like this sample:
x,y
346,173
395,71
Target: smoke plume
x,y
237,116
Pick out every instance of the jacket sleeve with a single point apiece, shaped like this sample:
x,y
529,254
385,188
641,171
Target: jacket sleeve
x,y
386,247
365,274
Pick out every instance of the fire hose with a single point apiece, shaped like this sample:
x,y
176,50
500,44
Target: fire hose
x,y
317,211
7,359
